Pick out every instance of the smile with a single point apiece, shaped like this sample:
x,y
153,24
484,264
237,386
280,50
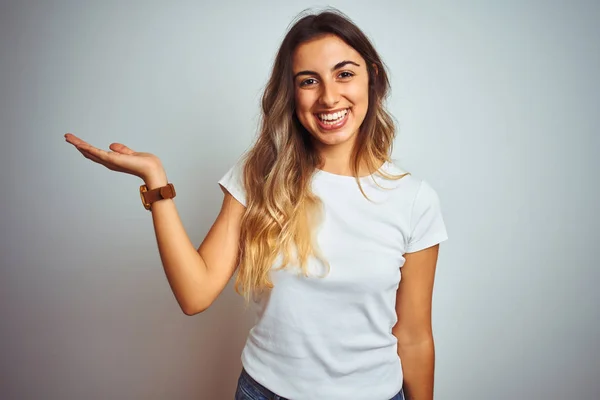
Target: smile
x,y
330,121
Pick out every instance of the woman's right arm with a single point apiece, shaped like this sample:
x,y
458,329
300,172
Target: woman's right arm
x,y
196,277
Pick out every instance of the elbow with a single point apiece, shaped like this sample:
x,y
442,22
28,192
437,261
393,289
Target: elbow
x,y
193,308
191,311
412,337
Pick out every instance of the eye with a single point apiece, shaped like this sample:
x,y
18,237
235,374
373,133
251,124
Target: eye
x,y
307,82
346,74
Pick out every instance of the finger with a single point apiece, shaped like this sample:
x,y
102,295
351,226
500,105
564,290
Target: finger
x,y
94,157
121,148
74,140
90,156
69,137
99,153
102,155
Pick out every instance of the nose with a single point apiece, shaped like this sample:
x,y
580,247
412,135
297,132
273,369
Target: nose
x,y
330,95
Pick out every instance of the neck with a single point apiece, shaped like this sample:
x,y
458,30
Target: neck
x,y
338,160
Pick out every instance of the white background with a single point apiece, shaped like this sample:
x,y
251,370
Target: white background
x,y
497,107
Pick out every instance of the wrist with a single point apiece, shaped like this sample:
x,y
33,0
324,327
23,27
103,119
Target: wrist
x,y
156,180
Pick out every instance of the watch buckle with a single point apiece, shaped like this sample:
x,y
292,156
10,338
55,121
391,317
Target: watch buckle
x,y
144,189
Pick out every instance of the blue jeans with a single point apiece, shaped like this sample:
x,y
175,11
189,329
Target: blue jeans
x,y
249,389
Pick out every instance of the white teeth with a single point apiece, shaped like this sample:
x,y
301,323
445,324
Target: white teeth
x,y
334,116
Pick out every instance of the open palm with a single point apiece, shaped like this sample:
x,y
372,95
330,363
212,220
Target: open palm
x,y
121,158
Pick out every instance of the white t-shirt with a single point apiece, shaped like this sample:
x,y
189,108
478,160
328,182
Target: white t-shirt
x,y
331,338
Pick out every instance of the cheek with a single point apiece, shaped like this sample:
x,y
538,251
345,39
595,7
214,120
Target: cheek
x,y
360,94
303,105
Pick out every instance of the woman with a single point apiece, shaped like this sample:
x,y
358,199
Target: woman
x,y
318,223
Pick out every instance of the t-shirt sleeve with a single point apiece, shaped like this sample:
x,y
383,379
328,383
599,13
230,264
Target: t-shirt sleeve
x,y
427,226
233,182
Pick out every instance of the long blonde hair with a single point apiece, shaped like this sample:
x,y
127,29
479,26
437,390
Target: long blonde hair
x,y
281,209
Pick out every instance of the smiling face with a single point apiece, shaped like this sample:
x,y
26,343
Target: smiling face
x,y
331,86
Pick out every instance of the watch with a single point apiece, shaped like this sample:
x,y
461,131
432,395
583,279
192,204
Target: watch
x,y
160,193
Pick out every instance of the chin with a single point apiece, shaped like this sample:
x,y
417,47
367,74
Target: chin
x,y
333,139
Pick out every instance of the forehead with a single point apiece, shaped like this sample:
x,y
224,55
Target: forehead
x,y
323,53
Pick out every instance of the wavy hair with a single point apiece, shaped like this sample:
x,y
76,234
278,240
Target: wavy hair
x,y
282,212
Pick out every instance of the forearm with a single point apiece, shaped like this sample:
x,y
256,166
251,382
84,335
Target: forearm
x,y
418,362
184,267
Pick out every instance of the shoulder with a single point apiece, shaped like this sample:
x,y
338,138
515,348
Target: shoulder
x,y
412,187
233,180
424,214
408,182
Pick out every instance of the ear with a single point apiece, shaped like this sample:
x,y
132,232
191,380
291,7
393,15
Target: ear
x,y
373,75
375,69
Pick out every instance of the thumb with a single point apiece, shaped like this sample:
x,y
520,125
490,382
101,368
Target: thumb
x,y
121,148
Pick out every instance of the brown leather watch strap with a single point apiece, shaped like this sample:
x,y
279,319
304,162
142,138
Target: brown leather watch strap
x,y
160,193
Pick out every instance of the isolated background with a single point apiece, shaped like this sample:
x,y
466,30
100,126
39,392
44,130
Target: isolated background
x,y
497,107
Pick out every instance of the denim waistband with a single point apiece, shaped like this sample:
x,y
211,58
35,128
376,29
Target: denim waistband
x,y
260,388
271,395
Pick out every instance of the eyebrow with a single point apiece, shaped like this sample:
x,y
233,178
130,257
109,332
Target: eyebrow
x,y
336,66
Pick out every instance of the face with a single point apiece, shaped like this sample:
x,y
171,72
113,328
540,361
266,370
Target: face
x,y
331,90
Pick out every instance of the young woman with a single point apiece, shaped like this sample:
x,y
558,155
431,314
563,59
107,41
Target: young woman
x,y
319,225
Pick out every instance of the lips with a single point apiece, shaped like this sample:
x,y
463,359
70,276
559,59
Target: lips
x,y
330,126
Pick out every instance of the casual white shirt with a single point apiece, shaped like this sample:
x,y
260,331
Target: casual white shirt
x,y
331,337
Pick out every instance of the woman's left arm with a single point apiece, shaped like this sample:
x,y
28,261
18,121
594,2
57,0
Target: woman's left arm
x,y
413,329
